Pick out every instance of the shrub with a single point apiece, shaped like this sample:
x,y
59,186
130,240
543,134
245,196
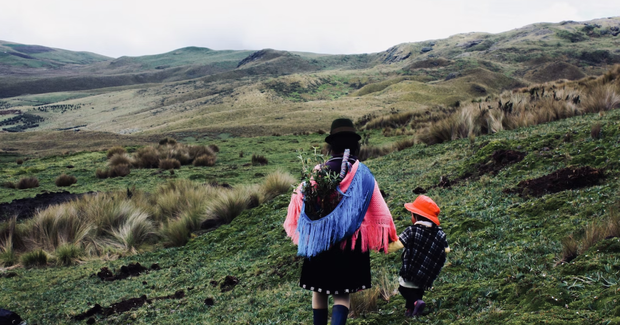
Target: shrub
x,y
120,159
27,182
277,183
147,157
117,150
65,180
259,160
166,164
67,254
205,160
34,258
19,161
214,147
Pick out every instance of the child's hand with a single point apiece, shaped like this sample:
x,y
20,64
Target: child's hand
x,y
393,247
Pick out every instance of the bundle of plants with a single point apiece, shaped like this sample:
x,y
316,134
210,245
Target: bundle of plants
x,y
319,188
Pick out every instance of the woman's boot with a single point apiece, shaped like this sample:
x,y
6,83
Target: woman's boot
x,y
339,315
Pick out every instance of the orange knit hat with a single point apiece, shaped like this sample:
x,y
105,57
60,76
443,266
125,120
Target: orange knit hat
x,y
424,206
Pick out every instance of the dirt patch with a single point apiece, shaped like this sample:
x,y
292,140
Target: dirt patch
x,y
564,179
229,283
133,269
124,306
500,159
25,208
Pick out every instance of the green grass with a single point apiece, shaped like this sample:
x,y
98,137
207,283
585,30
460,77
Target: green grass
x,y
501,270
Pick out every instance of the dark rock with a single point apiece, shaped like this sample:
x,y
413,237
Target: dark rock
x,y
209,301
426,49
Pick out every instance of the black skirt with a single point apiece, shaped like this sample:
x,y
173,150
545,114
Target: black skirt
x,y
337,271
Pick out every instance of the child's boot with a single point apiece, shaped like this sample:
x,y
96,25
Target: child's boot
x,y
419,308
319,316
339,315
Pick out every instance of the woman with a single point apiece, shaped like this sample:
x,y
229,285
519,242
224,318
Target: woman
x,y
337,247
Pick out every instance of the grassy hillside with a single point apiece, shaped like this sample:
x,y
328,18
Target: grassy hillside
x,y
507,243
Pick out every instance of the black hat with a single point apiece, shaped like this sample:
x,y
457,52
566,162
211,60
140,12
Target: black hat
x,y
342,127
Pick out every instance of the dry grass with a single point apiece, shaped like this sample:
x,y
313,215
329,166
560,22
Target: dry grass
x,y
119,171
214,148
116,150
65,180
27,182
527,107
363,302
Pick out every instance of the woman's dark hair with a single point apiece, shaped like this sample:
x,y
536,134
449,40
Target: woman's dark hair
x,y
345,141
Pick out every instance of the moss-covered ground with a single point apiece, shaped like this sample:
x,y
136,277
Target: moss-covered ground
x,y
502,268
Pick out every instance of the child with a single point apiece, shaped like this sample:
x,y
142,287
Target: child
x,y
425,246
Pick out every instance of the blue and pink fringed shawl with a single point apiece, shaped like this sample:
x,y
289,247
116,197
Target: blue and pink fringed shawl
x,y
362,214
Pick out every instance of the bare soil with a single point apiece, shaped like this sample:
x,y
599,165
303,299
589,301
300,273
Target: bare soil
x,y
133,269
124,306
25,208
564,179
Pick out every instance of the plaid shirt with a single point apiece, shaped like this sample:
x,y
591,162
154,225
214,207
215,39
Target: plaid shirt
x,y
424,254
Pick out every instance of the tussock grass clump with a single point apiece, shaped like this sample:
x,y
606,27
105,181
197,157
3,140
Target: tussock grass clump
x,y
34,258
370,152
259,160
101,173
601,98
166,141
214,148
176,233
135,230
8,256
8,184
364,302
593,233
147,157
65,180
115,171
596,131
117,150
27,182
120,159
277,183
68,254
170,163
404,144
205,161
230,203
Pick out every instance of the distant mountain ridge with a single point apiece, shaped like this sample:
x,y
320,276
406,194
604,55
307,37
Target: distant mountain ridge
x,y
529,52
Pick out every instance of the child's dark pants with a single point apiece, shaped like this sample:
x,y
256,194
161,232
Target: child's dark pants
x,y
410,295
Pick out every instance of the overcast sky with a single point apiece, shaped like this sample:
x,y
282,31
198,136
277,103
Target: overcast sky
x,y
140,27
